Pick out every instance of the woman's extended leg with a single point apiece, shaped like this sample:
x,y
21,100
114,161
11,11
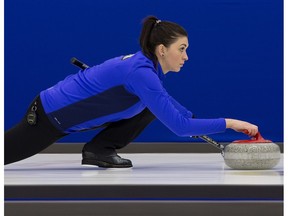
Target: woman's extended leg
x,y
25,140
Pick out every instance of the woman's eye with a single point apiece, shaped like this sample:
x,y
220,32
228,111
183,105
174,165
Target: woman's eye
x,y
182,49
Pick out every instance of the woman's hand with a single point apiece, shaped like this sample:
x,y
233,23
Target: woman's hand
x,y
242,126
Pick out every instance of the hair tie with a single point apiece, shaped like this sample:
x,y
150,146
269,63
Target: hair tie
x,y
156,23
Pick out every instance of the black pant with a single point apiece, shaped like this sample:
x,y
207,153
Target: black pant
x,y
24,140
119,134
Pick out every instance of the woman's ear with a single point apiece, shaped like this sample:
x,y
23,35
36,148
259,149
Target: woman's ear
x,y
160,50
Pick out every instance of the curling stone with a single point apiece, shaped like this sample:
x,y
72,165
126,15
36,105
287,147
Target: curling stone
x,y
256,154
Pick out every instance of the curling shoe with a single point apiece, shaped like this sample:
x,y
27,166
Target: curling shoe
x,y
105,161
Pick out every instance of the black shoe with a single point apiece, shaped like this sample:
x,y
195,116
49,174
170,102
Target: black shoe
x,y
106,161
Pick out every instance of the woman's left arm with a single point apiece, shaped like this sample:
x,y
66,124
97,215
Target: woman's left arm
x,y
147,86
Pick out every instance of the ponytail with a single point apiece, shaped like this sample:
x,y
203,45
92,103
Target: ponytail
x,y
147,48
155,32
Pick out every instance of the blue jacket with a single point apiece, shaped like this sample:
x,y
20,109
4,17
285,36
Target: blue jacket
x,y
117,89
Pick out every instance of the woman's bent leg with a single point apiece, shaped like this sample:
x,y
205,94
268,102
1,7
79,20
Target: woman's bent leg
x,y
100,151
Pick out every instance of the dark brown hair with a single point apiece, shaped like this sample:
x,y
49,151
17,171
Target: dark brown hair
x,y
155,32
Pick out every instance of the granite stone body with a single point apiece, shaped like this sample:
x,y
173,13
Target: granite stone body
x,y
252,155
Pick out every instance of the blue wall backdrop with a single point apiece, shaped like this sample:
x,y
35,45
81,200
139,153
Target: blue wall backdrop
x,y
235,66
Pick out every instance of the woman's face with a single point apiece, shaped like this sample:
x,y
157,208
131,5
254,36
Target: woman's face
x,y
172,58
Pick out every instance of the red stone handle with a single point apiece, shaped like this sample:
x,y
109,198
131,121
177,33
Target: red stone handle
x,y
258,137
255,139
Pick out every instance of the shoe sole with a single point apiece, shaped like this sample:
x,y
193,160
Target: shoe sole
x,y
103,164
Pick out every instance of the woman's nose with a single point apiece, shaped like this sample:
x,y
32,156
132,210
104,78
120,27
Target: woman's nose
x,y
186,57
